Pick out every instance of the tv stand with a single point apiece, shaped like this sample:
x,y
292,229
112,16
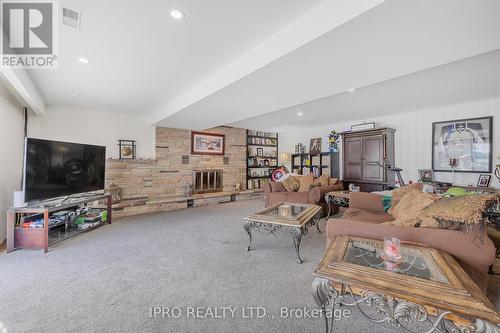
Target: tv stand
x,y
38,238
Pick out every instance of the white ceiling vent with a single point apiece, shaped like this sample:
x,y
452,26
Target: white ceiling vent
x,y
71,18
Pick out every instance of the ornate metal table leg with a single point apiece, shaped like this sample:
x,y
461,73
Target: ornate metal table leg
x,y
248,228
315,221
297,237
329,204
323,292
482,326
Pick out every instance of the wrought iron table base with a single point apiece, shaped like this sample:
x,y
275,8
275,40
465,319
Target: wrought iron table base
x,y
284,230
340,201
392,311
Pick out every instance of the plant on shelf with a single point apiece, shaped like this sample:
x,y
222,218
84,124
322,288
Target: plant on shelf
x,y
333,141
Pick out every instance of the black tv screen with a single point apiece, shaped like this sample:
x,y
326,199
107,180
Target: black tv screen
x,y
54,169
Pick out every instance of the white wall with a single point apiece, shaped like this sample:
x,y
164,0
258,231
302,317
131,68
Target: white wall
x,y
11,152
94,127
413,136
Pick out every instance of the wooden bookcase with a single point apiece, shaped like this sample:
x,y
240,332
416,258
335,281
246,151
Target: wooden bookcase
x,y
38,238
261,166
319,164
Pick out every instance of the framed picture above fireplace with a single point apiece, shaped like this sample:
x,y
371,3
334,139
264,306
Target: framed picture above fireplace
x,y
207,143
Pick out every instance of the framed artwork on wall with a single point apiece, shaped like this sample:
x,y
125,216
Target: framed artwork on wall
x,y
463,145
315,146
207,143
425,175
484,180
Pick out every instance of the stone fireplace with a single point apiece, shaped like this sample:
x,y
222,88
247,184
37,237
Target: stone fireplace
x,y
206,181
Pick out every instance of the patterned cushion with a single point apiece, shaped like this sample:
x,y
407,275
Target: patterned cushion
x,y
291,184
333,181
276,187
467,209
398,193
322,180
305,182
410,206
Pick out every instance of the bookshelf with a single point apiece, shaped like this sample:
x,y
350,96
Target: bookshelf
x,y
262,157
322,163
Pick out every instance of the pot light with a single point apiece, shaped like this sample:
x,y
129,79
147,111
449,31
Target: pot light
x,y
177,14
300,114
84,60
351,90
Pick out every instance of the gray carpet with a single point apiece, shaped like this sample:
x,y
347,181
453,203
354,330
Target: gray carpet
x,y
107,280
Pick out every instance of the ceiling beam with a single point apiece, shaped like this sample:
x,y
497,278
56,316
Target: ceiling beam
x,y
319,20
19,83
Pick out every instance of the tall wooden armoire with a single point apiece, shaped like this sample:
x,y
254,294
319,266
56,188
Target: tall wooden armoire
x,y
364,155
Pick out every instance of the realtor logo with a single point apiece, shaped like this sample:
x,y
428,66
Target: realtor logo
x,y
29,34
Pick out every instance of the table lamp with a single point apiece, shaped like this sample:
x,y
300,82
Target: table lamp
x,y
284,158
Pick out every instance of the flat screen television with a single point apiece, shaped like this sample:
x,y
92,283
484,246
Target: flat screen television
x,y
55,169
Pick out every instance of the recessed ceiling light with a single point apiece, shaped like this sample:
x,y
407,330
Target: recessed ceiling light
x,y
351,90
84,60
177,14
73,93
300,114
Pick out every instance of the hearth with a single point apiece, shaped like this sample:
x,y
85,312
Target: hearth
x,y
206,181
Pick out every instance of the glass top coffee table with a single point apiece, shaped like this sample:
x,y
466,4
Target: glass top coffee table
x,y
425,287
284,218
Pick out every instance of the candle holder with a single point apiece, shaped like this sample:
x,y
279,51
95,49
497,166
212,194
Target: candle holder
x,y
284,210
453,163
392,248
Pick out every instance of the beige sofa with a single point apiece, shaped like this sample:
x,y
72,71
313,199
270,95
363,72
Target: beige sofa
x,y
364,218
276,193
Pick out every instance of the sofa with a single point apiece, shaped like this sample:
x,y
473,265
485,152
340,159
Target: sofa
x,y
275,193
365,218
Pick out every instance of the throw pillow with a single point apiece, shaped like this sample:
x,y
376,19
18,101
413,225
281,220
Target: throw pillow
x,y
305,182
410,206
291,184
333,181
398,193
276,187
467,209
322,180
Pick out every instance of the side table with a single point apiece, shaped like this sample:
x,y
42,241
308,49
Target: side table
x,y
426,288
340,198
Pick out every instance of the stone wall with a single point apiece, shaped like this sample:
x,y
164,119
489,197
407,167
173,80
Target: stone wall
x,y
157,185
172,144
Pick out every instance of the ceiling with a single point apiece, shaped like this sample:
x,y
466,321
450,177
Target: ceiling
x,y
462,81
254,63
141,58
394,39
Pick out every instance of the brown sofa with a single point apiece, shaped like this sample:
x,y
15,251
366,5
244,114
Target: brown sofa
x,y
364,218
275,193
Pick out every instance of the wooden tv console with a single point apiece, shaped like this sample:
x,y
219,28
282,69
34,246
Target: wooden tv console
x,y
38,238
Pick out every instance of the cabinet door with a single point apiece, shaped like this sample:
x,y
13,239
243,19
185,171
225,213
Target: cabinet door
x,y
373,149
354,154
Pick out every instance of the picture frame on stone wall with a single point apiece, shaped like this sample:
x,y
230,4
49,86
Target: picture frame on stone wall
x,y
207,143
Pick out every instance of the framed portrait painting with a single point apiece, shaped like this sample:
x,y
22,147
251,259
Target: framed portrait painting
x,y
207,143
463,145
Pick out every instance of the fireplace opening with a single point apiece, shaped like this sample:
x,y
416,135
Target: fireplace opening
x,y
206,181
